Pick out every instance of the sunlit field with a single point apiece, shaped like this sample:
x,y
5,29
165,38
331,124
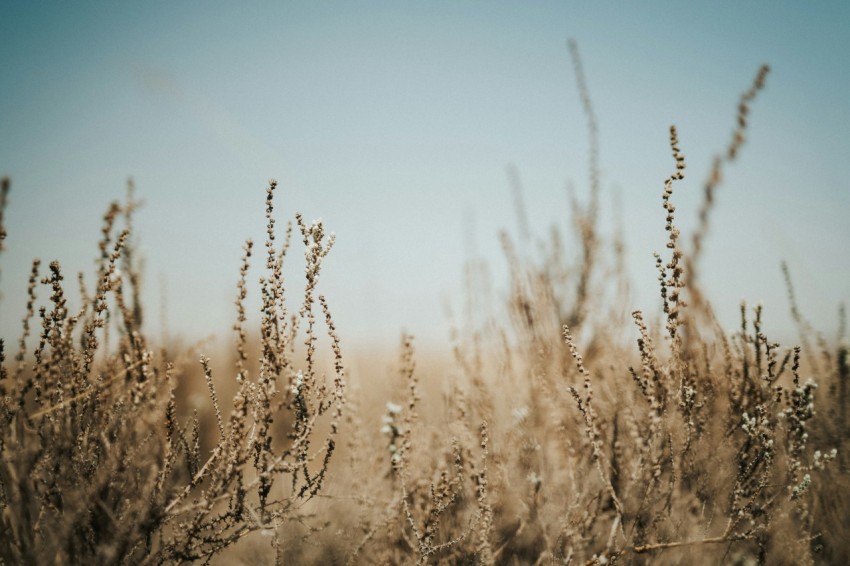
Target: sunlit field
x,y
556,422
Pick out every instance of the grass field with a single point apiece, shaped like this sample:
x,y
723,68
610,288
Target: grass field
x,y
559,426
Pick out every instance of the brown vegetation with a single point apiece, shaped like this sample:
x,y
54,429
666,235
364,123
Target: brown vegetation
x,y
552,441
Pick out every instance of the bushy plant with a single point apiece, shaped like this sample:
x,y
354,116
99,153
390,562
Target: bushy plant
x,y
554,440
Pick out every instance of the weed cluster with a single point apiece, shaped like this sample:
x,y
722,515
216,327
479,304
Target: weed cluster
x,y
96,464
554,442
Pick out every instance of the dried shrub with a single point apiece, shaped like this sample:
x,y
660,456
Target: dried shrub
x,y
96,464
554,440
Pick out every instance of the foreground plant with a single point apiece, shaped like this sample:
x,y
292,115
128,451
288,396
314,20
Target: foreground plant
x,y
698,446
557,441
95,464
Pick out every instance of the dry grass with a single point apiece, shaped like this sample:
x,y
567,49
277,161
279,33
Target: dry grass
x,y
549,440
96,464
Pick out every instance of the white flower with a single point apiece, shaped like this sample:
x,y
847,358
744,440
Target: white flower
x,y
297,383
393,408
802,488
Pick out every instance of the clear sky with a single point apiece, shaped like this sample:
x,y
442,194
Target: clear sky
x,y
395,122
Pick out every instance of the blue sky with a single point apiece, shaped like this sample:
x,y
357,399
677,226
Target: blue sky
x,y
395,122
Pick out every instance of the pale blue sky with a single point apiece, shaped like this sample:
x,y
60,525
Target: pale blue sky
x,y
395,121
